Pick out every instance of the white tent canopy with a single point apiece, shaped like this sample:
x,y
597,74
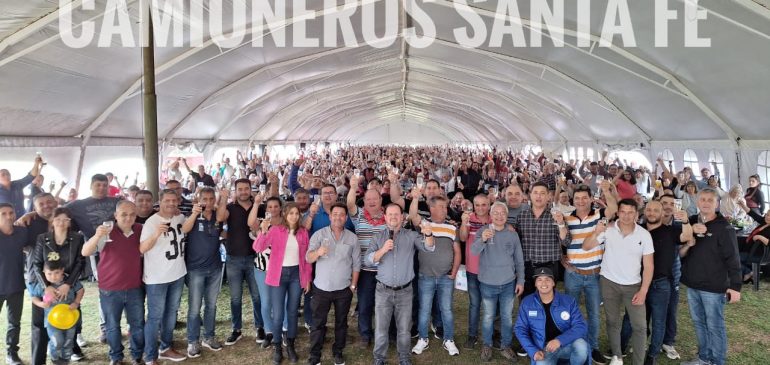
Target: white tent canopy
x,y
707,99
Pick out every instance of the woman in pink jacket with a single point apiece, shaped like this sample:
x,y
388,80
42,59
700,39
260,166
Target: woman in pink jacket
x,y
288,274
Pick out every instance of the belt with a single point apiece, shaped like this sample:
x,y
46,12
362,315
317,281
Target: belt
x,y
593,271
395,287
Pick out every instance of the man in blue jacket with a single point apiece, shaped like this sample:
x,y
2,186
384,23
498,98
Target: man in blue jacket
x,y
550,326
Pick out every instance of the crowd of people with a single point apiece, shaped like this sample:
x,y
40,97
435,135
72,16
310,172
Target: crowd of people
x,y
392,227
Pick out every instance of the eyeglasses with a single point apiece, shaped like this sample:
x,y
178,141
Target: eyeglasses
x,y
62,220
497,213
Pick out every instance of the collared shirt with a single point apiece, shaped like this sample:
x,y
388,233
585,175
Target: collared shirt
x,y
334,271
321,220
622,263
513,213
365,231
540,239
580,230
396,268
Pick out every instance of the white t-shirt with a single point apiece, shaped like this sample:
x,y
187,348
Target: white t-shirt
x,y
164,263
622,262
291,255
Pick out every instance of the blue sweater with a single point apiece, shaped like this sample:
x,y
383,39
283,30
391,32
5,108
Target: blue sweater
x,y
530,326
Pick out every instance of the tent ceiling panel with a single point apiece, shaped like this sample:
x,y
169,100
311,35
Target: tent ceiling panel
x,y
547,94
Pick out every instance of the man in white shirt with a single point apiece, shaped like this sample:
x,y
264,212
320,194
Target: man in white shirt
x,y
162,244
627,249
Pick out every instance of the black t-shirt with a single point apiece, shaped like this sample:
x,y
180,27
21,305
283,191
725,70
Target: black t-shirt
x,y
12,261
551,331
141,220
206,179
665,239
238,241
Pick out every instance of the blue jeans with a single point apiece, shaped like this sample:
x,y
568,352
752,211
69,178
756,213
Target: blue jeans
x,y
238,269
474,304
60,344
442,287
367,284
288,288
657,311
708,316
577,353
576,285
162,306
203,287
113,303
494,297
264,299
673,301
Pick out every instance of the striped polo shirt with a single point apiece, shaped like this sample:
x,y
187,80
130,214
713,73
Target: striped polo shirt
x,y
580,230
365,232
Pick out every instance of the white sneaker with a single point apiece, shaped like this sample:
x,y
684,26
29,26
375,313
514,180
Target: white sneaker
x,y
671,352
450,347
81,341
616,361
421,345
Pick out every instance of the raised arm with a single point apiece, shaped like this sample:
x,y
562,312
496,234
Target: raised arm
x,y
351,198
222,212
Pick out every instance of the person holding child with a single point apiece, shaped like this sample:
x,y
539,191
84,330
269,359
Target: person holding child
x,y
61,340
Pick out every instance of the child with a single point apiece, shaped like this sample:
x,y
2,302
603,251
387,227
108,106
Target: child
x,y
61,341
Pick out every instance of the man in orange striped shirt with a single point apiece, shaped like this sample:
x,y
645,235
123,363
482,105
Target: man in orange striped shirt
x,y
582,267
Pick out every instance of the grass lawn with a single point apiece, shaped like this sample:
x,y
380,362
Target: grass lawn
x,y
748,325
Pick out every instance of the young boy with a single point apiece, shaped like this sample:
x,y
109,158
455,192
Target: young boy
x,y
61,341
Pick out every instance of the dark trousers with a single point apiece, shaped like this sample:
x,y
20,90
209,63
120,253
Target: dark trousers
x,y
39,336
529,270
321,304
367,283
14,304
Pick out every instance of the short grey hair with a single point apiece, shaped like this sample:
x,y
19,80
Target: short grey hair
x,y
711,191
500,204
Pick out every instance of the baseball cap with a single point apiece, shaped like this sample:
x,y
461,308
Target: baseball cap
x,y
543,271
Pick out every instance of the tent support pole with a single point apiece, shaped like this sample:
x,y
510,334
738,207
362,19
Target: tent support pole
x,y
80,166
150,109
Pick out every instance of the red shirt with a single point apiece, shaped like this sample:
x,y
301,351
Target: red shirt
x,y
114,191
120,262
625,189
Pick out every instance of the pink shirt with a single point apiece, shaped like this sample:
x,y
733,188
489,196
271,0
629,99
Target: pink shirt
x,y
471,260
275,239
625,189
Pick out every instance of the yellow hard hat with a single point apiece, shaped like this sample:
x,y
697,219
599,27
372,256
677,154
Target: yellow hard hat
x,y
62,317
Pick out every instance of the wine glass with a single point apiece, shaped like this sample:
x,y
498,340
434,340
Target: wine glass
x,y
492,239
326,243
599,180
555,209
108,224
203,208
701,220
167,223
677,207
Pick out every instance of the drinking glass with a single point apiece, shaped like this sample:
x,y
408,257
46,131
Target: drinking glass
x,y
108,224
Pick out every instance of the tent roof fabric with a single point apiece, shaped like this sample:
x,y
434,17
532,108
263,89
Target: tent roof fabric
x,y
486,94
